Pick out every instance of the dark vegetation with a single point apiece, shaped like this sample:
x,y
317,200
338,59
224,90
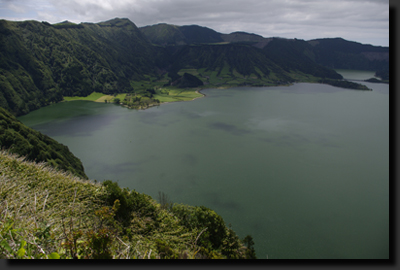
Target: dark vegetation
x,y
345,84
215,239
24,141
142,101
41,63
199,34
186,81
375,80
166,34
342,54
314,58
383,74
297,55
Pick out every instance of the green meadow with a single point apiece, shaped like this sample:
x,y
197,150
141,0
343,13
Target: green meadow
x,y
92,97
176,94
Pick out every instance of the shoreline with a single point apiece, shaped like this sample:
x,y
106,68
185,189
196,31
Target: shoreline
x,y
215,87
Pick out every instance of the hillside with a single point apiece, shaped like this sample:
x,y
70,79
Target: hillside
x,y
200,34
24,141
237,64
47,213
329,52
342,54
242,37
41,63
164,34
297,56
167,34
50,210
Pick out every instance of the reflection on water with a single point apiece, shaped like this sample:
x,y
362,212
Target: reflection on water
x,y
303,169
356,74
274,124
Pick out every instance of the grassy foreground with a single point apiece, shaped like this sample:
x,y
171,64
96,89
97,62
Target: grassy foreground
x,y
49,214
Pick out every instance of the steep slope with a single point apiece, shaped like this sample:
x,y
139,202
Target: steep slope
x,y
41,62
342,54
200,34
164,34
242,37
47,213
167,34
297,56
17,138
329,52
280,62
227,64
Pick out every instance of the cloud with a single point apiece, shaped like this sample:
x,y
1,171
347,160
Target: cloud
x,y
303,19
17,9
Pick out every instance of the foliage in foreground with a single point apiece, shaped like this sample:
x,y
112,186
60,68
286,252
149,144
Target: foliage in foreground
x,y
48,214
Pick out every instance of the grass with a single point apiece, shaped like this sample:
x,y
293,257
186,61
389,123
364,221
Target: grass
x,y
191,71
221,77
104,98
121,96
37,196
171,94
92,97
97,97
47,213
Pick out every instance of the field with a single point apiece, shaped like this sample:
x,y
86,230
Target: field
x,y
92,97
221,77
96,97
175,94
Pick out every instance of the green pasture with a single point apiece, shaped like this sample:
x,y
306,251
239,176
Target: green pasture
x,y
97,97
175,94
92,97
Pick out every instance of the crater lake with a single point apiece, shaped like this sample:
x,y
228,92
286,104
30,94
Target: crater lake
x,y
304,169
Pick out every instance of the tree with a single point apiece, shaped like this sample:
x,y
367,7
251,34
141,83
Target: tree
x,y
248,241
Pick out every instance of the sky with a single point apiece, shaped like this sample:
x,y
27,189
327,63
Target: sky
x,y
364,21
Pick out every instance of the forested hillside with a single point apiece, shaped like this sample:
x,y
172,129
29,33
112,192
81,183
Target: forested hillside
x,y
48,213
329,52
41,63
343,54
34,146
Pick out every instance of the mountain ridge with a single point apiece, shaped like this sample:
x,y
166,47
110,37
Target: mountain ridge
x,y
363,54
41,62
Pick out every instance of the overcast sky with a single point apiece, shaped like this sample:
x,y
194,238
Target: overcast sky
x,y
364,21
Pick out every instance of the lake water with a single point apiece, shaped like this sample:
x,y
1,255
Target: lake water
x,y
356,74
304,169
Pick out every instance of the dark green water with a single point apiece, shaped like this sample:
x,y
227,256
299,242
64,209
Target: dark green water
x,y
303,169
